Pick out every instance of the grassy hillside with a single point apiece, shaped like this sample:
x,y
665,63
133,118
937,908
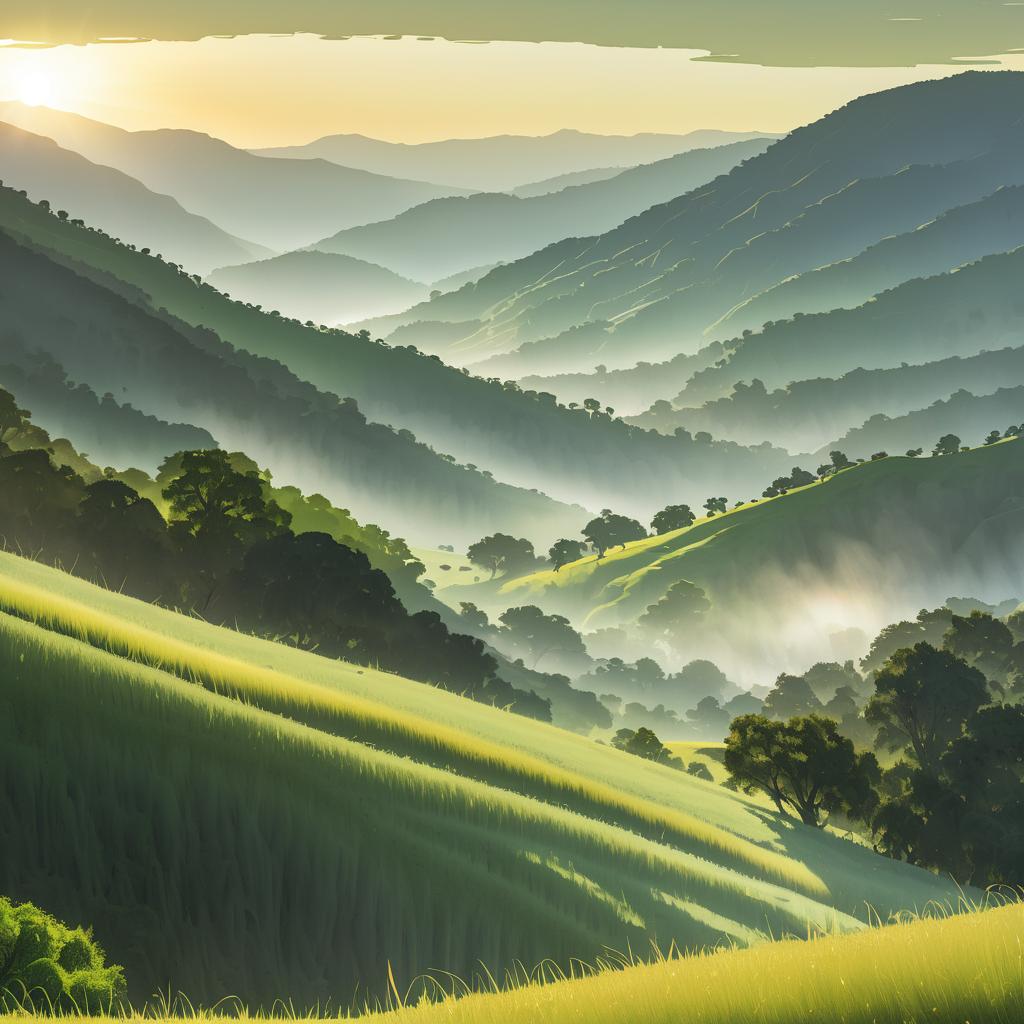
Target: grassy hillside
x,y
326,288
524,439
119,204
295,823
446,236
867,546
282,204
933,969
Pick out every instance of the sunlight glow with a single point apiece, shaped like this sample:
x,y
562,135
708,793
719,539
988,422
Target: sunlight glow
x,y
36,88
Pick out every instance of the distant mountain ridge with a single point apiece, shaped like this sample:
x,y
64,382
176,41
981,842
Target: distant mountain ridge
x,y
503,162
281,204
447,236
120,205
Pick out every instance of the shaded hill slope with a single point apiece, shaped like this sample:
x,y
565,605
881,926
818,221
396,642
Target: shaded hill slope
x,y
805,414
111,433
970,417
961,313
964,234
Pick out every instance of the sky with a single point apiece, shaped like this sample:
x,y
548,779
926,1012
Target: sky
x,y
262,90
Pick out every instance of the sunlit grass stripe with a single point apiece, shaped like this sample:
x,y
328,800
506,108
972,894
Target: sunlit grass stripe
x,y
326,707
968,968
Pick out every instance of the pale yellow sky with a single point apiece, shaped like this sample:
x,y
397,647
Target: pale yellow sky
x,y
268,91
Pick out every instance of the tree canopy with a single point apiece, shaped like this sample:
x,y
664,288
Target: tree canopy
x,y
611,530
672,517
804,765
922,698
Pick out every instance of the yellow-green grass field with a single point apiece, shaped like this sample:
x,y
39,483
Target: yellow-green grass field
x,y
236,816
973,495
967,969
932,969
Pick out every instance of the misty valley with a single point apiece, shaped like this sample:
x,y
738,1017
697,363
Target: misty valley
x,y
537,577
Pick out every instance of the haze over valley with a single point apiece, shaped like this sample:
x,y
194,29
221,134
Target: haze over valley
x,y
492,541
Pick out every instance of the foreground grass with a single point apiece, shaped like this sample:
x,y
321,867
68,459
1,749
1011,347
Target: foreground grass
x,y
967,969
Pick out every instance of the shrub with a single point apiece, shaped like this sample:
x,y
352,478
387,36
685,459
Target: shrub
x,y
50,968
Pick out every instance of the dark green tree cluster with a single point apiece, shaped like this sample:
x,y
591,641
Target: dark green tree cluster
x,y
672,517
676,616
805,765
48,968
228,552
797,478
1014,430
644,743
611,530
500,553
945,708
838,461
954,800
533,635
698,702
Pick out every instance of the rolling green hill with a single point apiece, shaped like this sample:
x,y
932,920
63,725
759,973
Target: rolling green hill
x,y
326,288
282,204
119,204
446,236
859,550
295,825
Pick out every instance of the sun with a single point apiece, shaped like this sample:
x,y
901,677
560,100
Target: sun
x,y
36,88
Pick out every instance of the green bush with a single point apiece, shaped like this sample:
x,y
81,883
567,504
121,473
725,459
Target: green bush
x,y
48,967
